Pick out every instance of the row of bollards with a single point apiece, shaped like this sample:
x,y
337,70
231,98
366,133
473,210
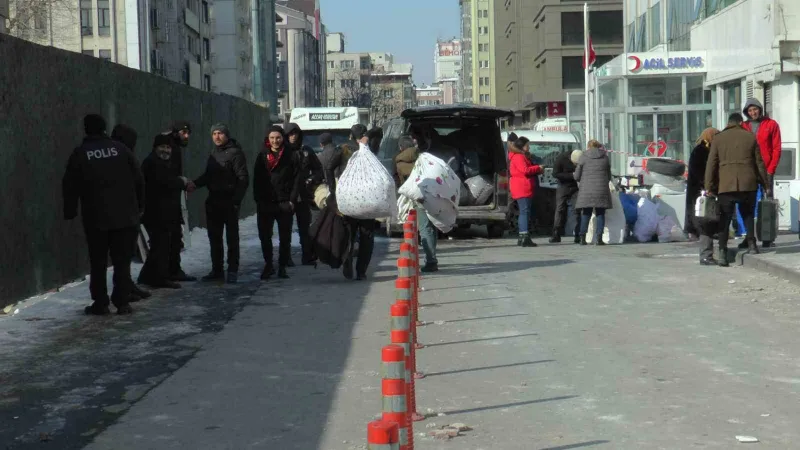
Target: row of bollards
x,y
395,429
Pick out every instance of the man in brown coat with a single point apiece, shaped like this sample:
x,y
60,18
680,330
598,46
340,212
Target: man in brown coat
x,y
734,172
405,160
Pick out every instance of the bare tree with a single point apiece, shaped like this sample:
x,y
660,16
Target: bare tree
x,y
380,94
47,22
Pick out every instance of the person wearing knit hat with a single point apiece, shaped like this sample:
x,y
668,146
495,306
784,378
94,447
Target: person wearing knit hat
x,y
227,180
162,213
566,192
110,214
179,133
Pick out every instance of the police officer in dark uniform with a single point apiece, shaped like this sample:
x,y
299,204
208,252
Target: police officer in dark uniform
x,y
105,177
179,133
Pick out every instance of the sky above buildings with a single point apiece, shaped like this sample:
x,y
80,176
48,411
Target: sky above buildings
x,y
407,29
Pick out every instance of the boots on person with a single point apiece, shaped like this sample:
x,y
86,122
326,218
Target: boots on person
x,y
267,272
214,275
577,239
526,240
583,240
520,239
752,247
139,292
556,238
599,241
282,273
723,257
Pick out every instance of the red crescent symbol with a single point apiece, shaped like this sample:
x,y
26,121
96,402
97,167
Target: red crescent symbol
x,y
637,63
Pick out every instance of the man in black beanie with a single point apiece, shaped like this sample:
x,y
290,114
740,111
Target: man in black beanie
x,y
227,180
179,134
104,177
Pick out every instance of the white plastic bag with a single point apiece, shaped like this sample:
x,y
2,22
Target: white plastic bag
x,y
366,190
404,206
481,188
647,220
614,230
437,188
665,225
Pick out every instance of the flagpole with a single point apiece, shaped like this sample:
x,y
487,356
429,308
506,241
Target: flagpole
x,y
586,57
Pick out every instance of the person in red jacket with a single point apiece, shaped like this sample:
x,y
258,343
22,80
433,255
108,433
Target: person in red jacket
x,y
768,135
522,183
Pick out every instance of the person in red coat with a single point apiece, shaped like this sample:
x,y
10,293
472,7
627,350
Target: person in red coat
x,y
768,135
522,183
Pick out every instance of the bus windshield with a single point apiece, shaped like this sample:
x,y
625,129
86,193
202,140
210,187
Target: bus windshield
x,y
545,153
311,138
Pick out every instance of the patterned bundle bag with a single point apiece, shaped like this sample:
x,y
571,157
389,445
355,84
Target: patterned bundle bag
x,y
366,190
434,185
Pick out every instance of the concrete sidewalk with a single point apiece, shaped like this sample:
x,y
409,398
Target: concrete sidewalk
x,y
782,261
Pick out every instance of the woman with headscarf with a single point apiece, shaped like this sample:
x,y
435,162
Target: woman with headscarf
x,y
593,172
702,228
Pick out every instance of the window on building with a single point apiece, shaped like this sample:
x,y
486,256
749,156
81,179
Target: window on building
x,y
347,83
606,27
655,25
40,21
484,64
185,78
641,39
655,91
680,15
366,64
104,55
486,13
206,13
331,64
733,98
331,103
631,37
88,52
484,98
480,81
103,18
86,18
347,64
331,84
206,49
480,13
572,74
207,83
696,94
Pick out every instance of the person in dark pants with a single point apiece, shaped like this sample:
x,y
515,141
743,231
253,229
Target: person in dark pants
x,y
104,176
593,172
363,230
179,134
311,174
162,212
227,179
276,181
128,136
734,173
702,227
563,171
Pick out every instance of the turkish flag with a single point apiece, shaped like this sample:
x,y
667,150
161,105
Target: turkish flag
x,y
592,55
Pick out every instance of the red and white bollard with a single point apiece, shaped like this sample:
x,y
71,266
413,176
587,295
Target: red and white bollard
x,y
393,388
383,435
406,251
400,333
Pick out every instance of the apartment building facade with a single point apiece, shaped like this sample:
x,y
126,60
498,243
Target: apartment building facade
x,y
478,51
3,15
265,60
301,79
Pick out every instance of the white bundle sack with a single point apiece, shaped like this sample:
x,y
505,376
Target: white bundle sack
x,y
366,190
404,206
614,230
647,220
665,225
436,187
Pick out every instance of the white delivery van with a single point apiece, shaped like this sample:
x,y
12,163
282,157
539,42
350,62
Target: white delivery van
x,y
336,121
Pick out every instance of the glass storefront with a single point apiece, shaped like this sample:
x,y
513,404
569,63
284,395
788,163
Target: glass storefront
x,y
651,115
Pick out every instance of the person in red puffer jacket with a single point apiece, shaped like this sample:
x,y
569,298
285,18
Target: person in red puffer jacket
x,y
521,184
768,135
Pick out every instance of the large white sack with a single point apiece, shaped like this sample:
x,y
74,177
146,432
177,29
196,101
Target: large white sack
x,y
404,206
481,188
614,231
435,186
647,220
665,225
366,190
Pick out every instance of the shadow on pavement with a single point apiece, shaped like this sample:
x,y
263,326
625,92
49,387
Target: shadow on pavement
x,y
485,317
497,267
83,376
578,445
435,305
509,405
464,286
468,341
476,369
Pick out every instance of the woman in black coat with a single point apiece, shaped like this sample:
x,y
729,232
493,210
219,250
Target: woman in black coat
x,y
694,185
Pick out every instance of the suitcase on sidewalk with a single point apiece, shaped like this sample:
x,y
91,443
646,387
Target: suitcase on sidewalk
x,y
767,220
706,208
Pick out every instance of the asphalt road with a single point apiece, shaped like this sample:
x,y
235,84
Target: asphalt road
x,y
556,347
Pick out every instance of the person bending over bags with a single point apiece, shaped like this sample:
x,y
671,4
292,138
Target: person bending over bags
x,y
162,214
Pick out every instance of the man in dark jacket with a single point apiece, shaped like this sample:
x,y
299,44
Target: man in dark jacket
x,y
104,176
179,134
330,152
567,189
734,173
227,179
128,136
276,183
162,213
363,230
311,176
